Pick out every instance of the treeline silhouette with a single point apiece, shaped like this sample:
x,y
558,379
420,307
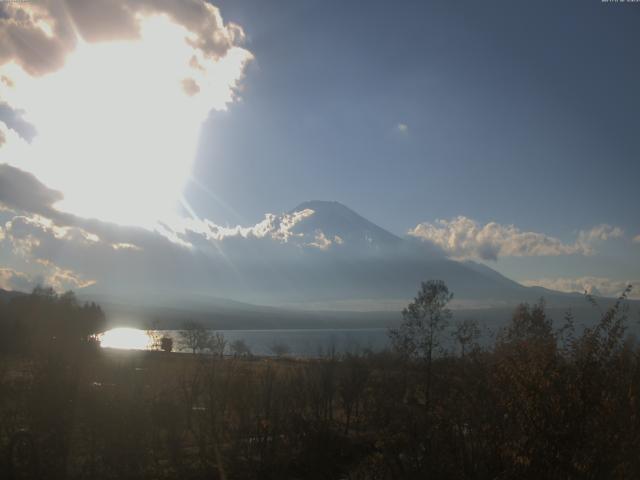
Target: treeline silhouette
x,y
45,320
539,402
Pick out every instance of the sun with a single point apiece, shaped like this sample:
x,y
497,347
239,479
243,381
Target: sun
x,y
118,124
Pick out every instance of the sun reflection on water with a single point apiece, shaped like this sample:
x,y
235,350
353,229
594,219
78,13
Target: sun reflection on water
x,y
125,338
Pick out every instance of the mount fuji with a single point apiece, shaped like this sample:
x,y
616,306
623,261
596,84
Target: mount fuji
x,y
322,251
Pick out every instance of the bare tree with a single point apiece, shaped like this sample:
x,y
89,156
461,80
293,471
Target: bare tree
x,y
194,337
351,386
466,333
240,348
423,321
217,344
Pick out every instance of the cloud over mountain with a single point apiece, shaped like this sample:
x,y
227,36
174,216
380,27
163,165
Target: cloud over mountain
x,y
462,237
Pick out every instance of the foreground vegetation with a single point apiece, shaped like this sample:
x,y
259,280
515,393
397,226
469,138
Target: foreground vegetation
x,y
540,402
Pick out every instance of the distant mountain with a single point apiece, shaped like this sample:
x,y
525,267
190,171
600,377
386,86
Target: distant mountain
x,y
491,273
327,252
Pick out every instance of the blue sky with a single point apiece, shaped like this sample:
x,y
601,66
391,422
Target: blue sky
x,y
522,113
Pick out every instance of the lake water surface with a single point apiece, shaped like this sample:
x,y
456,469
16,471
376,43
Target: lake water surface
x,y
300,342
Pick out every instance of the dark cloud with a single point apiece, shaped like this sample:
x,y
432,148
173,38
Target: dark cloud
x,y
23,40
23,192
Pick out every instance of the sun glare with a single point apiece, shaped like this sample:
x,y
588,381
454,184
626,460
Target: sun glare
x,y
118,125
125,338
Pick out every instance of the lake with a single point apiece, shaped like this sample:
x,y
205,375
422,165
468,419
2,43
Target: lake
x,y
300,342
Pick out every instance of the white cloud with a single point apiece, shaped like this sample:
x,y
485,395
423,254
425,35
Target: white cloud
x,y
593,285
462,237
274,227
321,241
280,229
600,233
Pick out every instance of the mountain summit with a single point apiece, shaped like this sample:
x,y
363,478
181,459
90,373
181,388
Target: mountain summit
x,y
344,227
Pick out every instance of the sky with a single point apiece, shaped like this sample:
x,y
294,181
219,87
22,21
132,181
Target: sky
x,y
498,131
523,114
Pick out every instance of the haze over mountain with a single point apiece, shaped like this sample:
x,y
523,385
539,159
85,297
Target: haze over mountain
x,y
323,255
319,265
